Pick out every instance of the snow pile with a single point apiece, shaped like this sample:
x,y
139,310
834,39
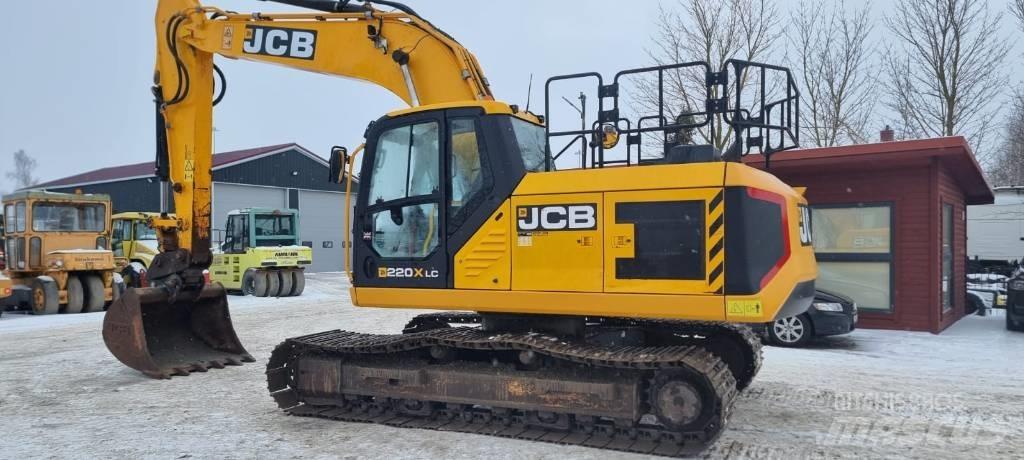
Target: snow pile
x,y
869,394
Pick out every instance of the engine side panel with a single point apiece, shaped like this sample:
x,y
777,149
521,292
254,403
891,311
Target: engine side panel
x,y
558,244
485,261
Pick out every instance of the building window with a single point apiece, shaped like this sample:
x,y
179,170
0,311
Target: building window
x,y
853,245
947,257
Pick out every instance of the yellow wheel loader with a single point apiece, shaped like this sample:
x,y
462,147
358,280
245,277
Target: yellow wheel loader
x,y
596,299
58,255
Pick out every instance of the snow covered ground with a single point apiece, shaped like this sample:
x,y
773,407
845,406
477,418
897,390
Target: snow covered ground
x,y
870,394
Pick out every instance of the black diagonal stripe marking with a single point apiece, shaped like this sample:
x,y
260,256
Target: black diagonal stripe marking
x,y
717,200
716,248
717,272
716,225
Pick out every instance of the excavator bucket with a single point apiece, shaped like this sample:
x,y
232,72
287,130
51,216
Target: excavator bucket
x,y
149,333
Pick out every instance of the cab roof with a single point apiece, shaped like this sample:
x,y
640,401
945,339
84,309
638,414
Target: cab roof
x,y
54,196
236,212
136,215
489,107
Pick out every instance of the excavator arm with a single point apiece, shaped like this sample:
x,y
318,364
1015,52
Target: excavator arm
x,y
396,50
182,324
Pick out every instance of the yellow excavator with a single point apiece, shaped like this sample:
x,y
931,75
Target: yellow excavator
x,y
595,303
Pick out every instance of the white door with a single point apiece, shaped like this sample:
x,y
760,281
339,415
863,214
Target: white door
x,y
322,225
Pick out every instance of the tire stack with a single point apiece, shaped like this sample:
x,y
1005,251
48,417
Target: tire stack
x,y
283,282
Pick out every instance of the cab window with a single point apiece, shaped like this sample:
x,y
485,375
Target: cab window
x,y
119,233
19,217
274,230
237,238
465,171
143,232
531,142
406,163
9,214
67,217
406,167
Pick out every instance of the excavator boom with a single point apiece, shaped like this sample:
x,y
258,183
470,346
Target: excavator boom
x,y
182,324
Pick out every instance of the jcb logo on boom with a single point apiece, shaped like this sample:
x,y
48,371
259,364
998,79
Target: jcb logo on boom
x,y
277,41
557,217
407,272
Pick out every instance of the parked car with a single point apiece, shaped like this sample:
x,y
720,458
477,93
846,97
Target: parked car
x,y
1015,302
985,291
829,314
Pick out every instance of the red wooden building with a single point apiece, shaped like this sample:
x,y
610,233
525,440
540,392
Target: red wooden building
x,y
889,225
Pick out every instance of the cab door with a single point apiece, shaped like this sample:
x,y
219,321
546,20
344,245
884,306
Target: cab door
x,y
400,216
665,241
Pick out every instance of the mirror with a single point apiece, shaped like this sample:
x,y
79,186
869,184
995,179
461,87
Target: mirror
x,y
609,136
339,158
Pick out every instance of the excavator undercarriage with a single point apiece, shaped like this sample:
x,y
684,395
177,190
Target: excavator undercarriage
x,y
648,386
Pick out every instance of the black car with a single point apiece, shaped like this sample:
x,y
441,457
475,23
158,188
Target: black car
x,y
829,314
1015,302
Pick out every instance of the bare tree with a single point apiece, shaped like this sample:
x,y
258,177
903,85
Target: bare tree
x,y
706,30
833,68
1008,166
24,167
946,71
1017,8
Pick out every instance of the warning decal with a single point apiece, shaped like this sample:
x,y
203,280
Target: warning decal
x,y
745,308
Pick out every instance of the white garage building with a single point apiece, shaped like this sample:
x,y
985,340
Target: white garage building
x,y
276,176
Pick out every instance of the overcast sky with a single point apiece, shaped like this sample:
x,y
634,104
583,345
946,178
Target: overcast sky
x,y
74,89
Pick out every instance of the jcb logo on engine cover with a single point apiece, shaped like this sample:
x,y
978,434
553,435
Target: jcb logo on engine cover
x,y
277,41
557,217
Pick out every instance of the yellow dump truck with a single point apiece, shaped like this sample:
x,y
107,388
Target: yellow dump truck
x,y
57,251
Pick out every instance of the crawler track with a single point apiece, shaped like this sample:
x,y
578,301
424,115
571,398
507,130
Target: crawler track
x,y
580,393
737,345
